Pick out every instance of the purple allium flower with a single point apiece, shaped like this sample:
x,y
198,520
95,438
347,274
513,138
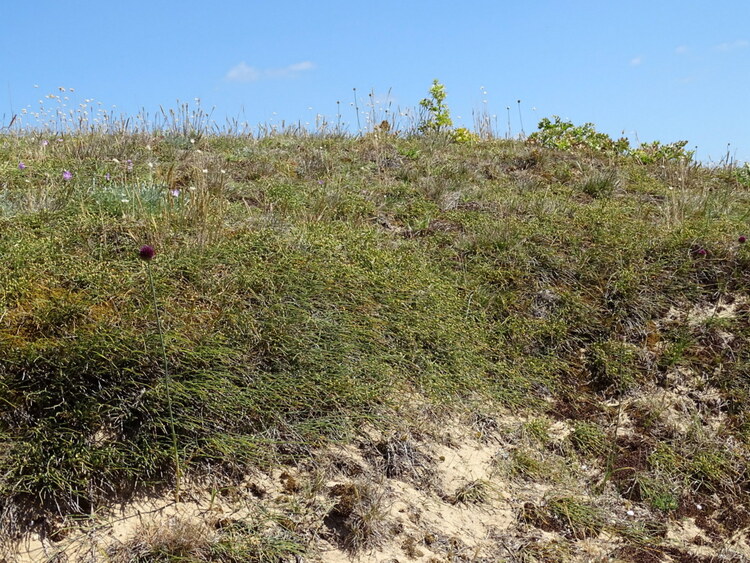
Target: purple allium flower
x,y
107,176
21,166
146,252
175,192
701,252
45,142
742,239
67,175
130,165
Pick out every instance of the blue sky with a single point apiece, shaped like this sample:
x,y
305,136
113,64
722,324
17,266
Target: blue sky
x,y
662,69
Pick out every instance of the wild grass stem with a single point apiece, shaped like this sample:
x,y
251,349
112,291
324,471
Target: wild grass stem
x,y
146,254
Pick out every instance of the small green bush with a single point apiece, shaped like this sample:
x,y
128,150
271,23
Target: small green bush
x,y
564,135
648,153
463,136
438,116
742,175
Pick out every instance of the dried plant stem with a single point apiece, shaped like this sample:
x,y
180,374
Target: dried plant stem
x,y
167,384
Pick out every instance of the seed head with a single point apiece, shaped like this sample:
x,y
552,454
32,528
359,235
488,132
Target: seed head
x,y
146,252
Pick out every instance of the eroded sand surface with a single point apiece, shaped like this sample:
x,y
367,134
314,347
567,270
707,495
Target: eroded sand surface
x,y
448,491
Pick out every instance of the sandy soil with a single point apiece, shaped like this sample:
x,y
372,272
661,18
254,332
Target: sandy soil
x,y
446,494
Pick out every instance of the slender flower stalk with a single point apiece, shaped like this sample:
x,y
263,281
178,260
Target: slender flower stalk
x,y
147,253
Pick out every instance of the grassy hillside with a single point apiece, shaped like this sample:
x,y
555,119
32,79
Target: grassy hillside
x,y
313,286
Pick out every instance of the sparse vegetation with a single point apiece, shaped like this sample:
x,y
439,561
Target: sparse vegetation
x,y
312,287
572,517
357,518
590,440
475,492
205,539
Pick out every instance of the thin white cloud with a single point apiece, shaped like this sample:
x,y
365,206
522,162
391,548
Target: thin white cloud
x,y
732,45
290,70
298,67
245,73
636,61
681,49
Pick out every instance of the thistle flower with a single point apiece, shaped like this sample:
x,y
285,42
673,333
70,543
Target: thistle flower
x,y
146,252
67,175
742,239
21,166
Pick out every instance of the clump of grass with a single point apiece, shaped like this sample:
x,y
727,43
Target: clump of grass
x,y
238,541
357,519
710,469
600,184
570,516
542,551
474,492
659,493
590,439
181,538
614,366
532,465
399,456
175,538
